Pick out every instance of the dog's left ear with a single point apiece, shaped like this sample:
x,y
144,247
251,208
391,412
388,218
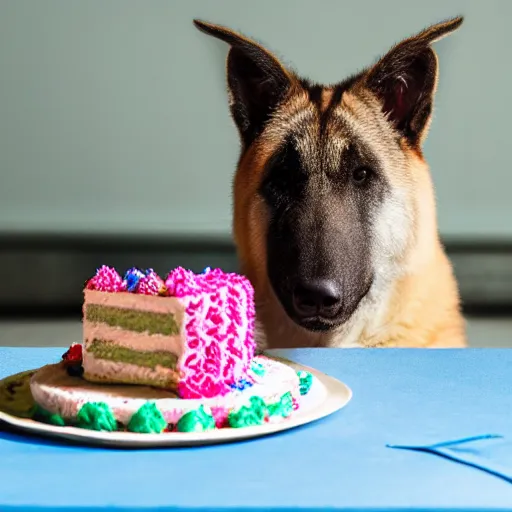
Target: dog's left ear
x,y
257,81
405,81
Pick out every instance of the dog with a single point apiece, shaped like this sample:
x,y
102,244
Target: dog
x,y
335,218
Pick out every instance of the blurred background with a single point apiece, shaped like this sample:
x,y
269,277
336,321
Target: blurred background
x,y
116,145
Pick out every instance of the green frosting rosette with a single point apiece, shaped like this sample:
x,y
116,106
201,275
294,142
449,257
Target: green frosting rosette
x,y
147,420
282,408
249,415
45,416
198,420
258,369
305,381
96,416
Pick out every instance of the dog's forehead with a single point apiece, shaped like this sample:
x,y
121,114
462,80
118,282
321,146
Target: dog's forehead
x,y
323,135
325,124
322,146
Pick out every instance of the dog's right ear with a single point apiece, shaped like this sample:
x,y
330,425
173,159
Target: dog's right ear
x,y
405,80
257,81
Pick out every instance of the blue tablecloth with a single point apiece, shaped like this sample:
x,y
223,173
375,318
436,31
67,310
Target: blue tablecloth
x,y
340,463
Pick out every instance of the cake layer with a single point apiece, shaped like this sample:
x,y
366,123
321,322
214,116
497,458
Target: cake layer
x,y
132,340
108,371
154,304
111,351
132,319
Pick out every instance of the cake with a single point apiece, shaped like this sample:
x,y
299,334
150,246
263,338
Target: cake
x,y
173,355
192,334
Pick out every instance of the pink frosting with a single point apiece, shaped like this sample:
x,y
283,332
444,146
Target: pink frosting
x,y
151,284
219,325
106,280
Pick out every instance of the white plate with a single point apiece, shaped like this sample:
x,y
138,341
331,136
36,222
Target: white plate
x,y
327,395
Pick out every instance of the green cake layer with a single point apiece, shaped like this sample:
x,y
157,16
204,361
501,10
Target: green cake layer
x,y
133,320
110,351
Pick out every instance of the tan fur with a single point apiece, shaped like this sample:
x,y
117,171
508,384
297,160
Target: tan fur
x,y
421,307
413,300
326,98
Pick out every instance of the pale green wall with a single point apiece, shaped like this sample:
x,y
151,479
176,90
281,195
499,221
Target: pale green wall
x,y
113,114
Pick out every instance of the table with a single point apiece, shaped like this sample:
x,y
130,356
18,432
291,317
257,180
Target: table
x,y
339,463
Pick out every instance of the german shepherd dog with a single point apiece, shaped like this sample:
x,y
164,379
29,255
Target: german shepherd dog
x,y
334,211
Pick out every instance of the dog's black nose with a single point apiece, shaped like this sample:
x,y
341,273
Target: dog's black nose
x,y
316,298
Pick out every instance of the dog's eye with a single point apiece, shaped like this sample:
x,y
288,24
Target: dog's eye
x,y
361,175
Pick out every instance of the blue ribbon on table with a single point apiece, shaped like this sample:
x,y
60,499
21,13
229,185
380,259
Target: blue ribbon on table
x,y
491,453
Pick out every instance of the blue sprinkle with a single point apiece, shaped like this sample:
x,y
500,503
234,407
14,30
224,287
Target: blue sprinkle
x,y
132,278
206,270
241,385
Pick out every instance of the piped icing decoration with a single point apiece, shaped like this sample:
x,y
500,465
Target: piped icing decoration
x,y
306,380
199,420
147,420
219,310
135,280
151,284
96,416
282,408
258,368
132,278
249,415
106,280
45,416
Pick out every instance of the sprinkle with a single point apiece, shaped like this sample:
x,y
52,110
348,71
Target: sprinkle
x,y
241,385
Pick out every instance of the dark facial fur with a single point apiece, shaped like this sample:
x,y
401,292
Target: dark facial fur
x,y
321,187
329,174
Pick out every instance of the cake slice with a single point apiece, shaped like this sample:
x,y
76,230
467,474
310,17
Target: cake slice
x,y
192,335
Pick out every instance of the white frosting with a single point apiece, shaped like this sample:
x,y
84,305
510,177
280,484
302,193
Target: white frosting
x,y
61,394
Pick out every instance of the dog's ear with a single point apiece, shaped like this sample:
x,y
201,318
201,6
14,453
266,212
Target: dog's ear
x,y
257,81
405,81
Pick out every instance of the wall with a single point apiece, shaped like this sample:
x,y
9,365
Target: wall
x,y
114,119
